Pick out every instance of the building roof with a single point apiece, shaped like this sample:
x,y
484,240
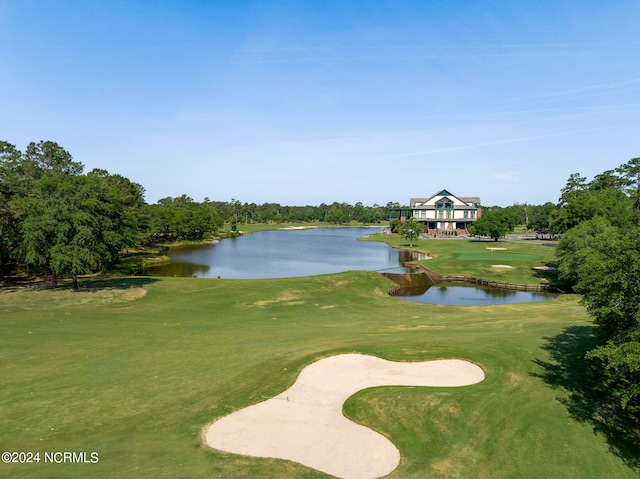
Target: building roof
x,y
468,201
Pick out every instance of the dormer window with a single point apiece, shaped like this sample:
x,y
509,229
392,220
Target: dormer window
x,y
445,203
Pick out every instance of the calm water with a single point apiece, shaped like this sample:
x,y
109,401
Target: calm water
x,y
284,254
294,253
460,294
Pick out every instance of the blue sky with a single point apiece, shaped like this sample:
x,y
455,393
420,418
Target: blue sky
x,y
304,102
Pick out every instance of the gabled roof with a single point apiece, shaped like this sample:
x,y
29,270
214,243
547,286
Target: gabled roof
x,y
469,201
472,200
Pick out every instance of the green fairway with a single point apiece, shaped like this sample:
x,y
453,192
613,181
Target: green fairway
x,y
133,369
478,258
494,255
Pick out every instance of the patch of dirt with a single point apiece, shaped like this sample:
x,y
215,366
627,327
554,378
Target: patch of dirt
x,y
420,327
447,468
287,297
66,297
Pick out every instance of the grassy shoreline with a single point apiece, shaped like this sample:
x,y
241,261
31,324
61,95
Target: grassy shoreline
x,y
513,261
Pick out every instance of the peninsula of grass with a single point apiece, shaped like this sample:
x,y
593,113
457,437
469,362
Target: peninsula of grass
x,y
512,261
134,368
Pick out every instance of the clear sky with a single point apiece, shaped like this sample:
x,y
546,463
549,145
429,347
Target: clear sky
x,y
304,102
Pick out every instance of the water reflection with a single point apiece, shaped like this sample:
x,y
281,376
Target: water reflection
x,y
460,294
284,254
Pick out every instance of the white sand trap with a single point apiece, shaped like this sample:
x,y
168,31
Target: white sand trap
x,y
305,423
506,266
497,249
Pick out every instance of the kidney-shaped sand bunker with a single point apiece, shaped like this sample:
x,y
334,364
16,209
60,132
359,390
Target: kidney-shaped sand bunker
x,y
305,423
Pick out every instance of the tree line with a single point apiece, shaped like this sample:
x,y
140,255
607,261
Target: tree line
x,y
58,219
599,256
335,213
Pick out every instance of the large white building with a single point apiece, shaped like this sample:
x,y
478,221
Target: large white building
x,y
444,213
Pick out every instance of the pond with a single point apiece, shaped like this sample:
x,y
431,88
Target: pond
x,y
284,254
461,294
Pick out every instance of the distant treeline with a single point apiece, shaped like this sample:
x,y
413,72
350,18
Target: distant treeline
x,y
182,218
337,213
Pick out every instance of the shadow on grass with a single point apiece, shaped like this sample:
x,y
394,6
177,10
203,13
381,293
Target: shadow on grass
x,y
550,274
586,401
113,282
90,285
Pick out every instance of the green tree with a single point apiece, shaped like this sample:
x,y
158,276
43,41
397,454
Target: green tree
x,y
494,223
588,203
33,177
578,246
604,262
10,188
608,277
523,212
410,229
630,173
619,364
183,218
56,219
540,218
599,255
337,214
77,224
575,183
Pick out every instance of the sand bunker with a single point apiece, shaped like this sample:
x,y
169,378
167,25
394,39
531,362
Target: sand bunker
x,y
506,266
305,423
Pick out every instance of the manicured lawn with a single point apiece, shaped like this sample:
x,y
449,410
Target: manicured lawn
x,y
478,258
134,368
